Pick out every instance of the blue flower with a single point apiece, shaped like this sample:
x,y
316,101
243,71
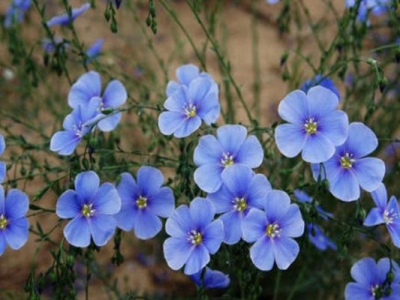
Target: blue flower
x,y
349,169
143,201
194,236
212,279
91,208
3,168
376,7
322,81
51,45
65,18
186,74
213,155
272,1
241,191
118,3
94,50
318,238
385,213
305,198
88,87
77,124
14,227
371,280
189,103
272,231
16,12
315,127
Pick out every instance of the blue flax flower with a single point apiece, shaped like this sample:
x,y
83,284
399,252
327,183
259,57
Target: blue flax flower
x,y
315,126
213,155
272,1
385,213
88,87
273,231
16,12
305,198
66,18
94,50
376,7
318,238
322,81
143,201
3,168
194,236
371,280
76,125
188,105
212,279
349,169
14,227
241,190
91,207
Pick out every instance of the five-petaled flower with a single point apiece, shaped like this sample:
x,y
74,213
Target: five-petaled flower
x,y
88,88
273,231
189,102
315,126
385,213
211,279
68,17
213,155
241,190
194,236
91,207
372,280
348,169
14,227
143,201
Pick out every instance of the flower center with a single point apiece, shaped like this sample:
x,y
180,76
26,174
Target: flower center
x,y
190,110
87,210
347,161
141,202
3,222
195,237
78,130
311,126
239,204
227,159
389,216
376,291
273,230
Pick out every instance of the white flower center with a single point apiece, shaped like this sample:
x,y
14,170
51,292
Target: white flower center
x,y
87,210
273,230
389,216
141,202
227,159
347,160
239,204
195,237
190,110
3,222
311,126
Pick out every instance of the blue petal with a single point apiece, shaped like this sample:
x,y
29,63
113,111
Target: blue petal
x,y
95,49
250,153
321,102
114,95
197,260
290,139
294,107
365,272
222,200
169,122
127,189
178,100
3,171
189,126
86,185
77,232
68,205
253,225
356,291
126,217
163,203
149,180
102,228
2,144
172,87
17,233
292,223
335,127
65,19
384,265
317,148
394,231
215,279
3,242
16,204
177,251
345,186
285,252
369,172
208,151
86,87
198,90
374,217
179,223
232,226
147,225
231,137
187,73
262,255
201,212
109,122
361,140
237,179
213,236
64,142
380,196
208,178
2,200
209,109
257,191
276,205
107,200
